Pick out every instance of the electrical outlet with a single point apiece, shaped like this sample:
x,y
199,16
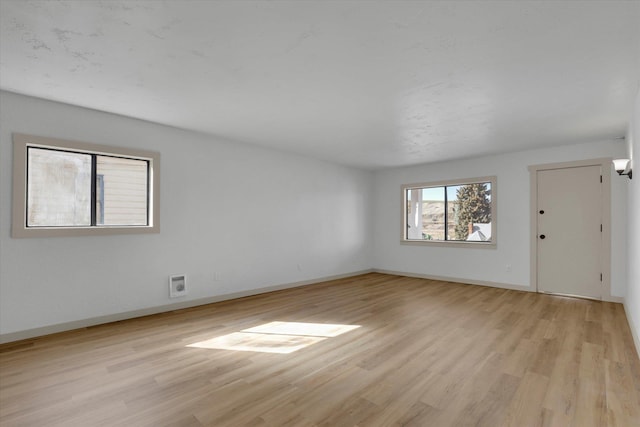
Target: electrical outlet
x,y
177,286
508,268
217,276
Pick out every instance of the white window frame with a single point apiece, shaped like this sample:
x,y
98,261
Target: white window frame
x,y
453,243
19,229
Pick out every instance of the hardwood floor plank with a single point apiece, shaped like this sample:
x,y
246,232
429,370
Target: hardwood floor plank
x,y
489,411
424,353
591,399
525,409
621,410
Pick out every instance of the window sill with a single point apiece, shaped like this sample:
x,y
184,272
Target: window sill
x,y
450,244
82,231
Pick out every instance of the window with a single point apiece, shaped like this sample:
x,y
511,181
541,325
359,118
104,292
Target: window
x,y
67,188
460,212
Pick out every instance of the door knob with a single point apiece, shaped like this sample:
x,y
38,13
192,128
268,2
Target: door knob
x,y
541,212
542,236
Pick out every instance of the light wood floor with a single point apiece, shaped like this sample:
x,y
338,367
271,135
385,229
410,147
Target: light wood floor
x,y
426,353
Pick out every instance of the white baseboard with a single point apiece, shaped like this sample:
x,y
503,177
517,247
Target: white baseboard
x,y
607,298
457,280
634,331
84,323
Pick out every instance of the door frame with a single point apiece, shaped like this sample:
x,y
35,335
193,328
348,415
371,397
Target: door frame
x,y
605,164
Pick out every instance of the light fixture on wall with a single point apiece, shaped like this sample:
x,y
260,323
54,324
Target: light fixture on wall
x,y
623,167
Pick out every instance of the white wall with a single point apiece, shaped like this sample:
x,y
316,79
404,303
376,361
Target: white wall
x,y
632,299
253,215
250,214
488,265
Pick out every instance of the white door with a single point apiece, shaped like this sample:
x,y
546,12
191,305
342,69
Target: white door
x,y
569,231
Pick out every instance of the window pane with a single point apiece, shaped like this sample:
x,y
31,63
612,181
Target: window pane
x,y
58,188
471,220
121,191
452,211
425,213
433,213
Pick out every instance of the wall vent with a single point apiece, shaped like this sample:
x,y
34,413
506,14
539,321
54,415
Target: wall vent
x,y
177,286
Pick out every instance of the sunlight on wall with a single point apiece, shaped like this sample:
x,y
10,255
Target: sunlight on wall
x,y
276,337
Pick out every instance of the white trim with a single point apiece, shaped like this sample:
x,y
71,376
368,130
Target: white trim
x,y
619,300
634,332
500,285
613,298
451,243
605,165
84,323
457,280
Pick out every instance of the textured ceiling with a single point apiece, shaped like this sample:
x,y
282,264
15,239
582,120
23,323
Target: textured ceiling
x,y
364,83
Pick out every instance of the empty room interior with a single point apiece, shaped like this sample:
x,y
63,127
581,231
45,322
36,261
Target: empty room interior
x,y
319,213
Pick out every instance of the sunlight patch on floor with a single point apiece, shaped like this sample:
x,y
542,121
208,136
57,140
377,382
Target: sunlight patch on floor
x,y
276,337
305,329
